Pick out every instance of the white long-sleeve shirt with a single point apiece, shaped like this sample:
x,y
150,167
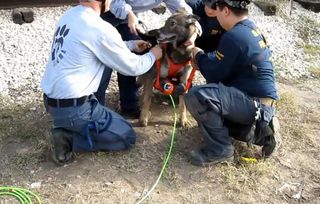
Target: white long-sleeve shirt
x,y
121,8
83,46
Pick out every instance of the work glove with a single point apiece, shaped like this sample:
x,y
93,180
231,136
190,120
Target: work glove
x,y
179,89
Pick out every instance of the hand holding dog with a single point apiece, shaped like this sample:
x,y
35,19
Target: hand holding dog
x,y
141,45
195,51
157,51
133,23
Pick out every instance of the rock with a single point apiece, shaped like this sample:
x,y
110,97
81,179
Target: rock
x,y
313,5
36,184
27,15
22,16
268,9
17,16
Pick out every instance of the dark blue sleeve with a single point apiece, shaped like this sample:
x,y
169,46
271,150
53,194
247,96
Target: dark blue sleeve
x,y
218,65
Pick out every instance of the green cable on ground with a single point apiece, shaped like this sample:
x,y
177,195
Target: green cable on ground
x,y
168,155
24,196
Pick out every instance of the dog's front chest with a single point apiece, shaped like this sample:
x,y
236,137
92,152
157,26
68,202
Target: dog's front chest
x,y
164,70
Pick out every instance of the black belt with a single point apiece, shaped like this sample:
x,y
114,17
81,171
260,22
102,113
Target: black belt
x,y
63,103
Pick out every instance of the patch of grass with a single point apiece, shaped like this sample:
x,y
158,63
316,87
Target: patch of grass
x,y
23,161
246,179
288,106
311,49
315,72
23,122
293,127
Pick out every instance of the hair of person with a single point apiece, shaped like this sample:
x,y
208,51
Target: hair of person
x,y
236,11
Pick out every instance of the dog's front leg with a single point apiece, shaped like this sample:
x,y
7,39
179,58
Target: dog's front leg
x,y
182,106
145,114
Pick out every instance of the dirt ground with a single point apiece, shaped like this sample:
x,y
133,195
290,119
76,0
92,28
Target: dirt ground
x,y
290,176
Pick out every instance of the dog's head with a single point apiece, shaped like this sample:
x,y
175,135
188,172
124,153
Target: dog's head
x,y
177,30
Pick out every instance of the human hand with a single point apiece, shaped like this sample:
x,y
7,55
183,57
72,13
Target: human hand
x,y
141,45
161,9
195,51
133,23
179,89
192,40
157,51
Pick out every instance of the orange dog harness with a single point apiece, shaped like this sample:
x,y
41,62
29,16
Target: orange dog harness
x,y
166,85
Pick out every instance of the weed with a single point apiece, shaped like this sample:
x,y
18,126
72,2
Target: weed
x,y
246,178
315,72
311,49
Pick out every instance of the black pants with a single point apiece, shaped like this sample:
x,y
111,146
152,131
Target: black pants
x,y
128,87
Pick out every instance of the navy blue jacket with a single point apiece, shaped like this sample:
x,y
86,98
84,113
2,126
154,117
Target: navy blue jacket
x,y
242,60
211,28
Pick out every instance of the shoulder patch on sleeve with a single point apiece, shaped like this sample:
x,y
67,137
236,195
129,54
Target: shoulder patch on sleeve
x,y
219,55
214,32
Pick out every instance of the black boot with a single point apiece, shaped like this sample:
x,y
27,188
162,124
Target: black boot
x,y
217,147
62,146
274,140
204,157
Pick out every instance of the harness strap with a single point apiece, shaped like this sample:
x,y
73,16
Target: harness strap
x,y
189,81
173,70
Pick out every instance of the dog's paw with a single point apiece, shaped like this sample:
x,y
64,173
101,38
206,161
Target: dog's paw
x,y
144,122
144,118
184,122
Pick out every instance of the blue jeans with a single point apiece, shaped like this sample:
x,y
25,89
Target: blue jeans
x,y
215,106
94,127
211,29
128,88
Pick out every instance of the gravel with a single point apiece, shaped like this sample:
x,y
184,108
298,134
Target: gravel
x,y
25,48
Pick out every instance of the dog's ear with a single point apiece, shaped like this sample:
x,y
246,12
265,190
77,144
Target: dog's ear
x,y
191,19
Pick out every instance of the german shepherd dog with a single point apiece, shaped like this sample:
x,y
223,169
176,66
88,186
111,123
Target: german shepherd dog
x,y
174,37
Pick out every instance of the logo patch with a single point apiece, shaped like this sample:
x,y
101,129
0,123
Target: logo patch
x,y
58,52
214,32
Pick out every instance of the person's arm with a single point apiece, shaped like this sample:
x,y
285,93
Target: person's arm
x,y
217,66
174,5
112,51
120,9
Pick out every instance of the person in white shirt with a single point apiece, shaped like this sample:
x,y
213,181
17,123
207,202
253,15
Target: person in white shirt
x,y
83,47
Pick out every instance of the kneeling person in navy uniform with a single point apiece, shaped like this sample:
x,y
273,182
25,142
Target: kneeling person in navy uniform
x,y
239,99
